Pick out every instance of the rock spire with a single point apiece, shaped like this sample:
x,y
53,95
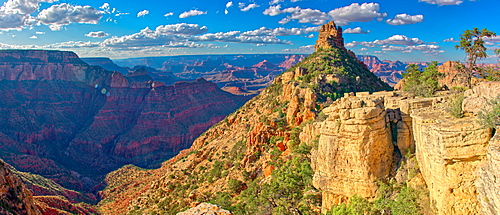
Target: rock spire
x,y
330,36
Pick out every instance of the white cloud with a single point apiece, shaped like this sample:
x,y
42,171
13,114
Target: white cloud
x,y
443,2
249,7
97,34
175,35
73,44
403,19
63,14
357,13
427,49
363,49
275,2
229,4
142,13
14,14
106,7
273,10
302,49
39,32
263,31
450,40
191,13
302,15
393,40
181,28
356,30
56,27
236,37
168,14
23,6
33,37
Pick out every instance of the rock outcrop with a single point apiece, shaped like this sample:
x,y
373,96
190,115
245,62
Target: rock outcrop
x,y
330,36
205,209
488,181
14,197
449,151
355,149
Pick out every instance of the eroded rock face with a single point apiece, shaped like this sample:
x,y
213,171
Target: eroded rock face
x,y
330,35
477,98
449,151
488,182
14,197
355,149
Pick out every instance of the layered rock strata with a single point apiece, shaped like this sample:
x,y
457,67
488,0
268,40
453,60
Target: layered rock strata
x,y
14,197
449,152
488,182
355,149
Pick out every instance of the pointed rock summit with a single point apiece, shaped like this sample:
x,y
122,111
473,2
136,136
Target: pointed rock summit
x,y
330,36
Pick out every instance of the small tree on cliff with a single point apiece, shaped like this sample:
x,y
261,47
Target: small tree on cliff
x,y
422,83
471,41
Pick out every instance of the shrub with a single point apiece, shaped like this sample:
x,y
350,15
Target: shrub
x,y
455,106
490,118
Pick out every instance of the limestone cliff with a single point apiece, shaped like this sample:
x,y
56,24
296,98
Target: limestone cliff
x,y
355,149
488,181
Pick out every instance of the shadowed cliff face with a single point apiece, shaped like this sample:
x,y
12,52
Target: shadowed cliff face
x,y
72,122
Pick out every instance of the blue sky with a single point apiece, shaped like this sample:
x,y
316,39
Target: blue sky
x,y
407,30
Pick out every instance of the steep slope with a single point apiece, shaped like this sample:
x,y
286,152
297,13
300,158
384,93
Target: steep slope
x,y
14,197
73,123
258,159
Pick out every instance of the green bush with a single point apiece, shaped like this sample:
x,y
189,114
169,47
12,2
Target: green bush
x,y
490,118
422,83
455,106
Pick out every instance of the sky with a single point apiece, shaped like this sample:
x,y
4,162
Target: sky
x,y
406,30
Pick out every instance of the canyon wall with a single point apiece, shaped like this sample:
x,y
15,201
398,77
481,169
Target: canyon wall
x,y
71,122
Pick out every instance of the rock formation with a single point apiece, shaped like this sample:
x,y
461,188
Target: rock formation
x,y
205,209
330,36
488,183
355,149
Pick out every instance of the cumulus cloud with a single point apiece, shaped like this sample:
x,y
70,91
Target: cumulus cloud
x,y
356,30
427,49
400,43
14,14
393,40
275,2
302,15
443,2
357,13
263,31
33,37
168,14
249,7
175,35
191,13
236,37
181,28
106,7
403,19
273,10
97,34
302,49
63,14
39,32
142,13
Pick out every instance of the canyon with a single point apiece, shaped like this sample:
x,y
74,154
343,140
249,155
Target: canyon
x,y
324,135
73,123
